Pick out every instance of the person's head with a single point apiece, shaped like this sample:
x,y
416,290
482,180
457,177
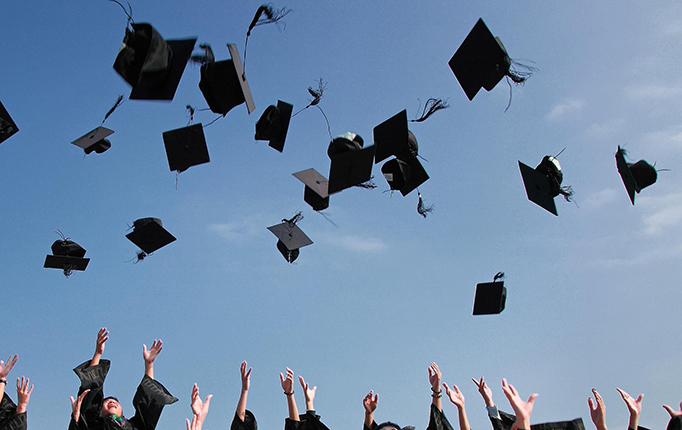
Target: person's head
x,y
111,406
388,426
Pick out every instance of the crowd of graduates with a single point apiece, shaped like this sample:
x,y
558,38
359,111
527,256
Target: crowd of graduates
x,y
91,410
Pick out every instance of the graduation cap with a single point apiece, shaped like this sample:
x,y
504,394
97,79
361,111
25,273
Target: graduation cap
x,y
95,140
291,237
482,61
7,125
151,65
351,164
316,186
490,296
224,84
544,183
186,147
274,124
635,176
67,255
149,235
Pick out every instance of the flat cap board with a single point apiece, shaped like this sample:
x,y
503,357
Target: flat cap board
x,y
479,61
490,298
248,98
626,174
537,188
7,125
61,261
290,235
350,168
314,180
186,147
150,237
391,137
92,137
165,90
285,111
417,176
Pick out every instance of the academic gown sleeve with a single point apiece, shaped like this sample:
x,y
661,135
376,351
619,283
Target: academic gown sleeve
x,y
374,425
249,422
675,423
308,421
437,420
149,401
9,418
92,378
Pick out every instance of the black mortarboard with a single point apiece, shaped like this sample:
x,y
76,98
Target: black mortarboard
x,y
7,125
151,65
291,238
186,147
149,235
351,163
95,140
490,298
392,137
635,176
224,84
274,124
481,61
404,176
316,186
68,256
544,183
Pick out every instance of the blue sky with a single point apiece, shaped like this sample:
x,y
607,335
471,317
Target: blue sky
x,y
592,294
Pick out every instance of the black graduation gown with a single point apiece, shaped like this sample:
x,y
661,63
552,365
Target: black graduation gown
x,y
506,421
249,422
308,421
9,418
149,400
437,421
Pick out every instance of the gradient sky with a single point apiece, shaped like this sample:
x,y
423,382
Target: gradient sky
x,y
593,297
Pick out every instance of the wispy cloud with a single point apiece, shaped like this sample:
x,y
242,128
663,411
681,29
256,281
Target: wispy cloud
x,y
238,231
653,91
360,244
665,213
565,107
600,198
670,138
606,129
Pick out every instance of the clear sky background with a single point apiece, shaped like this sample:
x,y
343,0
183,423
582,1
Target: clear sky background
x,y
593,296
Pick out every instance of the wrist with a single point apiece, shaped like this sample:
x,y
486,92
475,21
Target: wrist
x,y
3,381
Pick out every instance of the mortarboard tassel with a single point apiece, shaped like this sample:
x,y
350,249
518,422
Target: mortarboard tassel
x,y
317,96
118,103
129,12
498,275
430,107
206,58
421,208
518,77
271,16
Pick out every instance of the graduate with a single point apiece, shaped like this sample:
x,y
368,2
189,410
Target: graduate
x,y
92,411
13,417
437,419
310,420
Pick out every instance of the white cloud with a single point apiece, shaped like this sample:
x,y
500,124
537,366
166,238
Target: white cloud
x,y
665,213
600,198
360,244
606,129
563,108
238,231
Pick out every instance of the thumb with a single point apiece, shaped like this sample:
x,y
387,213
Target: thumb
x,y
669,409
532,398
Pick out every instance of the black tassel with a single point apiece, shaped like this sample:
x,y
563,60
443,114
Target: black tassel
x,y
191,111
271,16
421,209
68,269
296,218
567,192
498,275
119,100
139,256
129,12
206,58
430,107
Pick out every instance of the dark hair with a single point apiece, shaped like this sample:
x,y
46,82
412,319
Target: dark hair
x,y
388,424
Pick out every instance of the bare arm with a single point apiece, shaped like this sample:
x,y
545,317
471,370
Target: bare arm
x,y
246,382
370,403
435,380
5,367
634,406
457,399
521,409
288,387
150,355
309,394
199,409
597,410
102,337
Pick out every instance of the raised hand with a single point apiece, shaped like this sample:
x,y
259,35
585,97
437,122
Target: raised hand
x,y
673,413
485,391
521,409
309,393
153,352
199,408
76,405
634,406
456,396
287,382
102,337
246,380
23,394
5,367
434,377
597,410
370,403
